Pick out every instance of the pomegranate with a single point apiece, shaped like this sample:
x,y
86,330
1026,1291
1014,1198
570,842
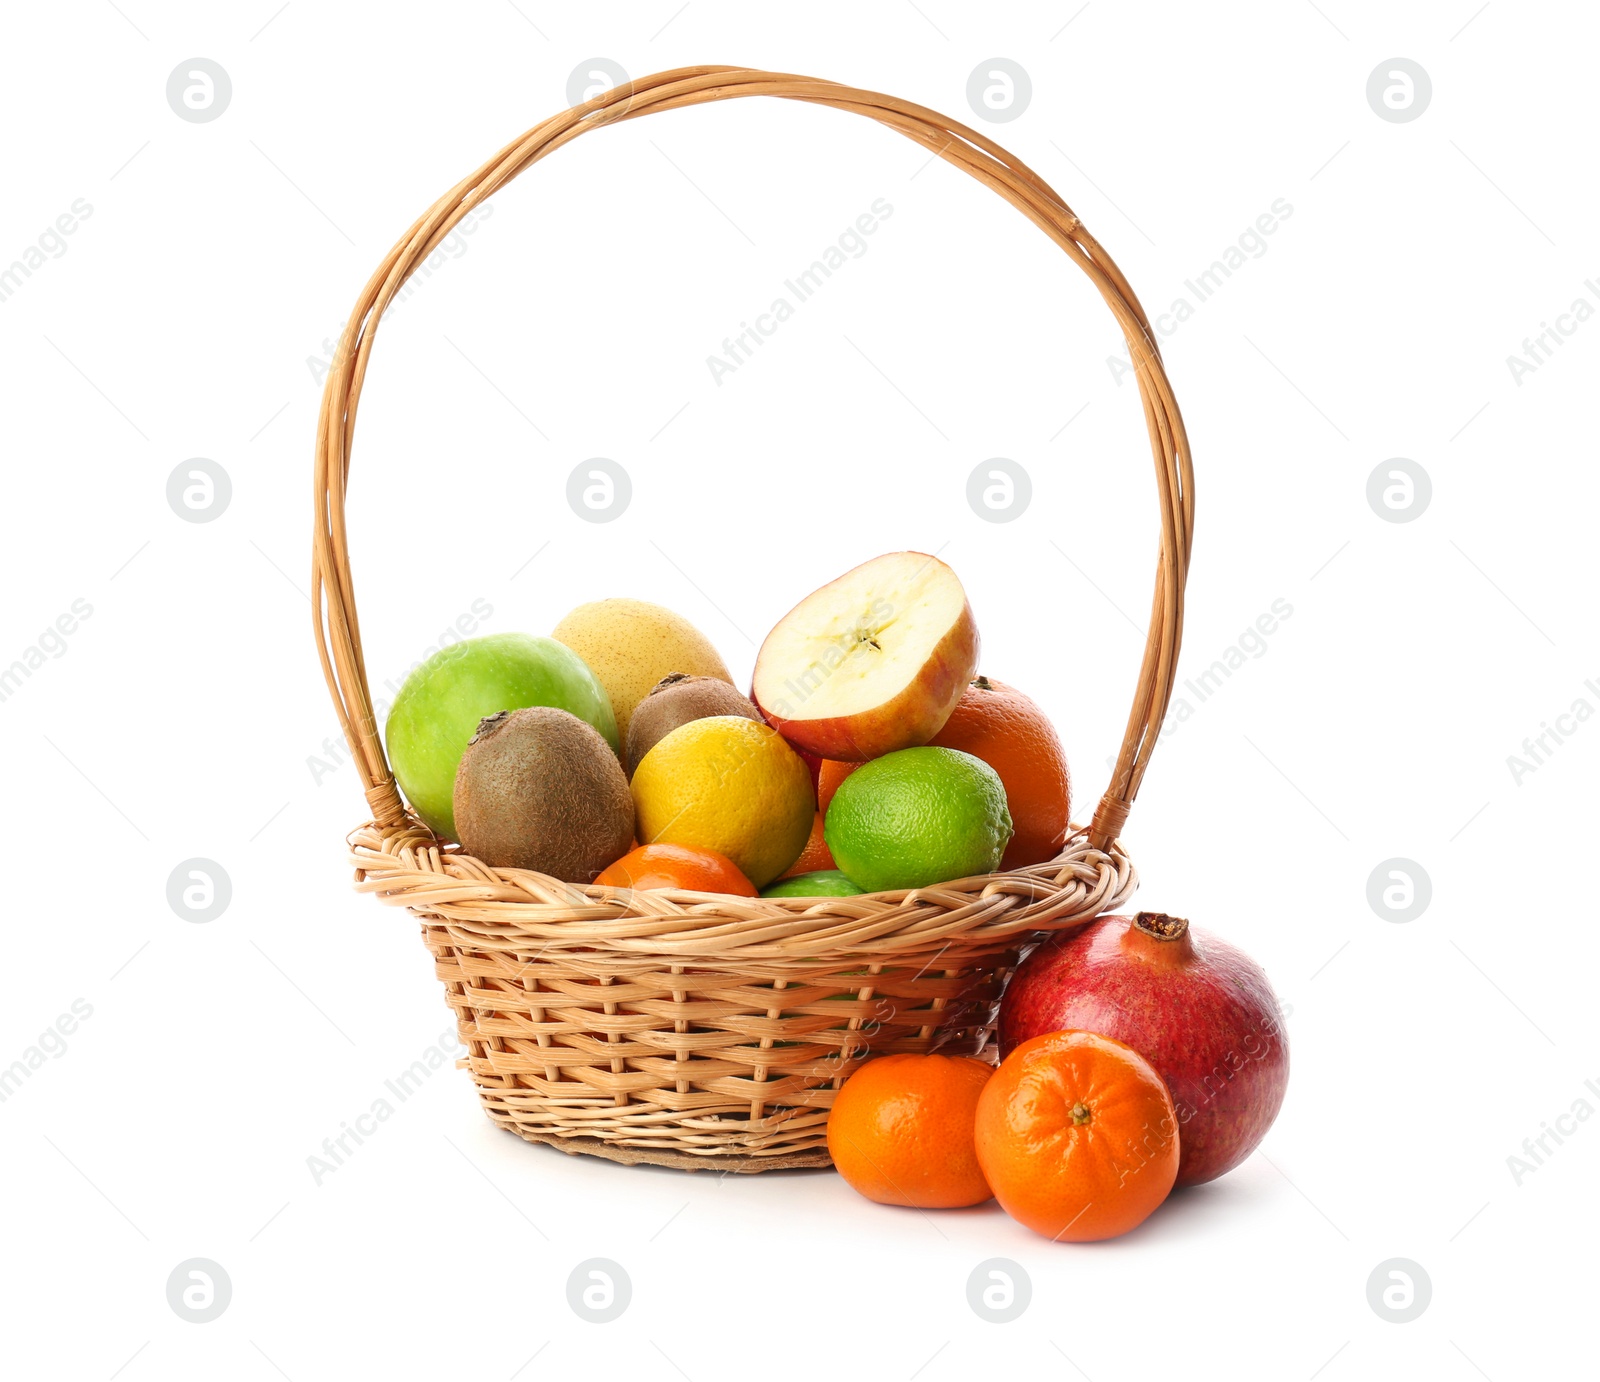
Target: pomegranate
x,y
1199,1010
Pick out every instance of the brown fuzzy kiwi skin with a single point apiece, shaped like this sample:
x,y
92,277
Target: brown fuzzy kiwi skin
x,y
675,700
539,789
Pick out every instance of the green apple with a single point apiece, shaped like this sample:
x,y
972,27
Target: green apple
x,y
438,709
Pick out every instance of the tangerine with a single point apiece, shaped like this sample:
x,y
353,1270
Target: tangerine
x,y
815,857
901,1131
677,866
1077,1135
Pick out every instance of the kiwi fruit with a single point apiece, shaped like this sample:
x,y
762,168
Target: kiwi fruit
x,y
675,700
539,789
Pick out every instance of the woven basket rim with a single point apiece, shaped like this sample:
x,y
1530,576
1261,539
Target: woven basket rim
x,y
519,909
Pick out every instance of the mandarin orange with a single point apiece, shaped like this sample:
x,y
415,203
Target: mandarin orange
x,y
677,866
1077,1135
815,857
901,1131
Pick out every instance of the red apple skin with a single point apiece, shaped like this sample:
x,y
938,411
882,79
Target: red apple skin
x,y
1198,1009
907,720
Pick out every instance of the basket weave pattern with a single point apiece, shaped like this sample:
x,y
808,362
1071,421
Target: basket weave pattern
x,y
692,1029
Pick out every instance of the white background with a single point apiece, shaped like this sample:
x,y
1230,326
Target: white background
x,y
186,716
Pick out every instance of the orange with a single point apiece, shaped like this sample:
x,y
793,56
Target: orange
x,y
815,857
901,1131
677,866
1006,729
1077,1135
829,776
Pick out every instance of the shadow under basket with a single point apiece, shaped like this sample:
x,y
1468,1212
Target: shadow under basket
x,y
699,1030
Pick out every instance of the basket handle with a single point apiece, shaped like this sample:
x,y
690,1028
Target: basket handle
x,y
333,593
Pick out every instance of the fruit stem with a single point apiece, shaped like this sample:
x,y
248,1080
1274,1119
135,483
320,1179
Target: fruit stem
x,y
1081,1113
487,726
1161,926
983,683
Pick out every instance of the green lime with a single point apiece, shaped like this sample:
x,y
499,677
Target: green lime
x,y
917,817
822,883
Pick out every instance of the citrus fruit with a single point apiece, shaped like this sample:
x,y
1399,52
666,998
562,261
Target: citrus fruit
x,y
1006,729
677,866
901,1131
728,784
675,700
916,817
1076,1134
815,855
822,883
830,773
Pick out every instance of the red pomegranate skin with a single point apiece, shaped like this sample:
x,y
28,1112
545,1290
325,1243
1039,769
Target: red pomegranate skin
x,y
1198,1009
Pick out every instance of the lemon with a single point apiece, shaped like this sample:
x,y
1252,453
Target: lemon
x,y
918,817
729,784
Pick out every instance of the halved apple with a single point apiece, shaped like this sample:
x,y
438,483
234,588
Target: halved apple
x,y
872,662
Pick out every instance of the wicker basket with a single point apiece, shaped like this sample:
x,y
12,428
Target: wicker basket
x,y
697,1030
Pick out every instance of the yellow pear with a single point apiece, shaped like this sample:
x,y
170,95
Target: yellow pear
x,y
631,644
